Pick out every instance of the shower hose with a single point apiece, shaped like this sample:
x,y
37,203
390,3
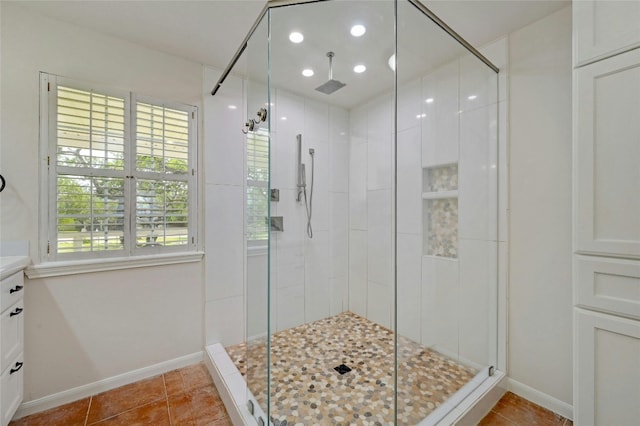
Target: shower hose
x,y
309,205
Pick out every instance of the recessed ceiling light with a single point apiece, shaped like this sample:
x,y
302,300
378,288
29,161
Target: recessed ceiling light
x,y
359,68
358,30
429,100
296,37
392,62
283,118
472,97
307,72
232,107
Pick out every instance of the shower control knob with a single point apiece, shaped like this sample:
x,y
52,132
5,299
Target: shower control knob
x,y
262,114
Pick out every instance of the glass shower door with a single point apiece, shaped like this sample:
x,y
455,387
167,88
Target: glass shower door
x,y
257,212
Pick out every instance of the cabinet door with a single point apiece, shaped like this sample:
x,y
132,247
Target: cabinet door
x,y
11,386
603,28
12,326
607,157
606,369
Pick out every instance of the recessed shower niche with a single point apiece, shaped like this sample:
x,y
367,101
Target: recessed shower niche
x,y
440,210
396,280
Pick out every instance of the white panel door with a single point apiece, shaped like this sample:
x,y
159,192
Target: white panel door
x,y
607,155
604,28
607,370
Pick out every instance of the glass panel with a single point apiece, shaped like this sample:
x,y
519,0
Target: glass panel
x,y
446,217
254,66
332,344
90,214
90,129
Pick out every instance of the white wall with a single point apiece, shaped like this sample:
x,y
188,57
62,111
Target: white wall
x,y
84,328
540,331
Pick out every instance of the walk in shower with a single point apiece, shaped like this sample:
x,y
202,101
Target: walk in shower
x,y
371,146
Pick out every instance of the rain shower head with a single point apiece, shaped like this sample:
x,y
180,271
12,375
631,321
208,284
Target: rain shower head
x,y
332,85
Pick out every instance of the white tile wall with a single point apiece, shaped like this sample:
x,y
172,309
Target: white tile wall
x,y
440,308
222,132
379,240
409,285
225,321
358,186
379,301
284,145
339,235
409,182
317,293
410,105
440,128
256,295
474,171
290,307
358,272
477,258
379,140
224,241
339,288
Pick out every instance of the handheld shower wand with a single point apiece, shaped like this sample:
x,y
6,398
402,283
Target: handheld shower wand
x,y
302,184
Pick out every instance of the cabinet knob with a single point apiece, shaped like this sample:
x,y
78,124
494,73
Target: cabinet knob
x,y
16,369
16,289
17,311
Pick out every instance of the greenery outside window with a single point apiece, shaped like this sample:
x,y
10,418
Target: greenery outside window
x,y
121,172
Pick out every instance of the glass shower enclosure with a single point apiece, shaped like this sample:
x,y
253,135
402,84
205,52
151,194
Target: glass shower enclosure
x,y
371,214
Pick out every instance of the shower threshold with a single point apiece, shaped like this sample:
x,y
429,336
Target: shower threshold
x,y
306,388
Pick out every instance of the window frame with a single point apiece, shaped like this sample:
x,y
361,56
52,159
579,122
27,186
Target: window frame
x,y
49,175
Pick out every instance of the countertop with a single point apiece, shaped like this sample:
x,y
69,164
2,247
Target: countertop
x,y
9,265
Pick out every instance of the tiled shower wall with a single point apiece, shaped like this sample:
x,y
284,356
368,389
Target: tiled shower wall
x,y
308,276
443,301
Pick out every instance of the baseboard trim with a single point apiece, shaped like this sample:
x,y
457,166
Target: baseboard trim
x,y
540,398
84,391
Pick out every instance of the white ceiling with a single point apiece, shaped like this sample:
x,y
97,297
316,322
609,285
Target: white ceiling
x,y
209,32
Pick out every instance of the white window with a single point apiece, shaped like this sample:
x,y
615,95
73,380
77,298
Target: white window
x,y
257,186
120,170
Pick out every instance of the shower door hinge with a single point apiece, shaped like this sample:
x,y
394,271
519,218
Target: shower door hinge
x,y
193,114
48,86
48,247
193,240
48,160
492,371
193,172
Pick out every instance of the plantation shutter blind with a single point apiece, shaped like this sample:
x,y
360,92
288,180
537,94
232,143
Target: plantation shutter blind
x,y
257,185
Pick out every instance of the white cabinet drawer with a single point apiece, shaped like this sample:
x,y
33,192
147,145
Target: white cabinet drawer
x,y
607,284
604,28
11,290
11,383
607,362
12,326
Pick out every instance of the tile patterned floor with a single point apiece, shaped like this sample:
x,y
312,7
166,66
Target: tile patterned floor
x,y
181,397
513,410
306,389
188,397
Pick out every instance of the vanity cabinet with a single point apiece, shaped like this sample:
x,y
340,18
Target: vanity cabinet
x,y
606,206
11,345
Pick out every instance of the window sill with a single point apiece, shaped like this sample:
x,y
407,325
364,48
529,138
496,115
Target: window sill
x,y
57,269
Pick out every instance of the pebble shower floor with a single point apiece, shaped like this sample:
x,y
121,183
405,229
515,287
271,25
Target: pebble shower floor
x,y
306,389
